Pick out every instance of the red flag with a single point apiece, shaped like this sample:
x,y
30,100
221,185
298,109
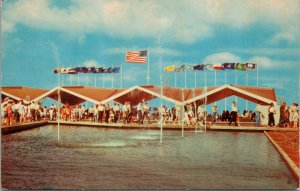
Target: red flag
x,y
218,67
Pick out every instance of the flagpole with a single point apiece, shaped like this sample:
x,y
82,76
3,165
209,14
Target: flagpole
x,y
225,101
246,85
112,81
256,74
205,77
236,84
56,56
103,80
95,80
86,79
195,77
215,77
148,68
185,78
161,92
182,114
78,79
175,80
121,76
205,101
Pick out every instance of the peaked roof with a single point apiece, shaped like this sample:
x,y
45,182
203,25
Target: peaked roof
x,y
73,95
264,96
77,94
22,93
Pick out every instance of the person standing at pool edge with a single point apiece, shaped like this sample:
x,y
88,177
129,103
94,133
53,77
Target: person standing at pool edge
x,y
234,112
271,111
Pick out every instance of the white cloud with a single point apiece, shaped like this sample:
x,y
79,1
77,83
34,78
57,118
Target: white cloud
x,y
91,63
166,20
268,51
220,58
265,62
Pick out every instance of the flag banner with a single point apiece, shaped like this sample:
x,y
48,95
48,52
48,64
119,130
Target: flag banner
x,y
99,70
57,70
199,67
250,66
208,67
107,70
91,69
170,68
228,66
189,67
239,66
72,71
116,70
137,57
218,67
180,68
81,69
64,70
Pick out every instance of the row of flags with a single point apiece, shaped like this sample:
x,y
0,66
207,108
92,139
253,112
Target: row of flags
x,y
131,57
224,66
77,70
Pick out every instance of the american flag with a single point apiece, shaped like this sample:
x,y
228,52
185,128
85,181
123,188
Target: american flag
x,y
137,56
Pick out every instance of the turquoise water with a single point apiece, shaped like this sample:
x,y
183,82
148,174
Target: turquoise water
x,y
97,158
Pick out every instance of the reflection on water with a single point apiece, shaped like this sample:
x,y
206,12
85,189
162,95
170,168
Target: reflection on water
x,y
97,158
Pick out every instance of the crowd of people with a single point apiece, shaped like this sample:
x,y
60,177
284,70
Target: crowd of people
x,y
14,112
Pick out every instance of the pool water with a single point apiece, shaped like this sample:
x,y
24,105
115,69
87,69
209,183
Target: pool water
x,y
98,158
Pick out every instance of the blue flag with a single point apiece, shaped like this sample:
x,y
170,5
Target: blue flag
x,y
228,66
199,67
116,70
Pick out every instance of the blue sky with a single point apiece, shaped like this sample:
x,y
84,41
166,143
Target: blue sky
x,y
95,32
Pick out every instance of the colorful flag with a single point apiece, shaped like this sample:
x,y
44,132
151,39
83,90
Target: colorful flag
x,y
99,70
72,71
64,70
180,68
170,68
239,66
57,70
199,67
91,69
107,70
189,67
228,66
115,70
137,56
208,67
250,66
218,67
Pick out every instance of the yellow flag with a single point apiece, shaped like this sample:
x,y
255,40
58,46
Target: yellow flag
x,y
169,68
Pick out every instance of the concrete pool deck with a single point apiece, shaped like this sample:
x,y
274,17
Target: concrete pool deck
x,y
153,126
21,127
292,166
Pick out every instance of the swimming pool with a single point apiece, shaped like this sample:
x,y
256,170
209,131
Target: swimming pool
x,y
102,158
